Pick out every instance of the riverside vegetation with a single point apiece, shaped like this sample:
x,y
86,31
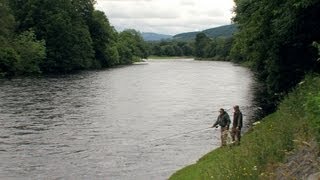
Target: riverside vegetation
x,y
295,125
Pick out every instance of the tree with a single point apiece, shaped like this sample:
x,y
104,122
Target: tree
x,y
201,45
169,50
132,45
84,8
8,56
67,37
188,49
31,53
104,39
7,21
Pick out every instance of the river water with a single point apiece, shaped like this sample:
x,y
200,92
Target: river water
x,y
133,122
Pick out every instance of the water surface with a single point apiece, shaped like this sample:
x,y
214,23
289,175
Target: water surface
x,y
134,122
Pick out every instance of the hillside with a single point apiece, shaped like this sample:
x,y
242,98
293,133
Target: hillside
x,y
148,36
221,31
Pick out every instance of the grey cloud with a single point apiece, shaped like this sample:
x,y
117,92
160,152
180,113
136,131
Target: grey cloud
x,y
145,14
187,3
212,12
166,16
137,10
122,0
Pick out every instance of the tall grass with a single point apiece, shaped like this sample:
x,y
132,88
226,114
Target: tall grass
x,y
266,144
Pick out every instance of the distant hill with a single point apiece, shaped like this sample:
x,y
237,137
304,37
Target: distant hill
x,y
222,31
148,36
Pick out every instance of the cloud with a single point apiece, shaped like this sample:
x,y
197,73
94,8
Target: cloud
x,y
122,0
187,3
166,16
141,10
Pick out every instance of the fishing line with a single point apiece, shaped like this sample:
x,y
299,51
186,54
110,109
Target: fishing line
x,y
179,134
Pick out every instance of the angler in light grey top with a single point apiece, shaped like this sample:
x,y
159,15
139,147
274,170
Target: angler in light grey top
x,y
223,121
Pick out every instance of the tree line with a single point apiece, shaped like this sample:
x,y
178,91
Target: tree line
x,y
45,36
202,47
171,48
279,40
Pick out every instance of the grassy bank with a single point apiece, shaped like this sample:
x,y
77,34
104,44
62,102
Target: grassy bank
x,y
267,144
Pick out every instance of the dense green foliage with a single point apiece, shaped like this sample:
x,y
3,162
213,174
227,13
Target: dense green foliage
x,y
171,48
42,36
20,53
266,143
217,49
202,48
276,38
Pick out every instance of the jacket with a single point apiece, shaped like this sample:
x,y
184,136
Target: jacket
x,y
223,120
237,120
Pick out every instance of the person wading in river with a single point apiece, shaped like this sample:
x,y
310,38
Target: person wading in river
x,y
223,121
236,125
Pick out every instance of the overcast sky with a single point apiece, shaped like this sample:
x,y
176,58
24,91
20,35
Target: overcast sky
x,y
167,16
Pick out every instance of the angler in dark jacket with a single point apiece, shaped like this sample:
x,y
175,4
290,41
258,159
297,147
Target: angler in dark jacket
x,y
236,125
223,121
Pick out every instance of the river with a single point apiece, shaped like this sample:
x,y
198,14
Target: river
x,y
132,122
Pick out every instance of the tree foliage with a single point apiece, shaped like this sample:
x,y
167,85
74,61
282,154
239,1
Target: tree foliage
x,y
171,48
20,53
104,40
31,53
202,44
44,36
276,38
216,49
202,48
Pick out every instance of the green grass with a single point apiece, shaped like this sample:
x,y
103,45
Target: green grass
x,y
266,144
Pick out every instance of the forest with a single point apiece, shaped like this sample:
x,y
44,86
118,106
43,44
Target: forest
x,y
44,36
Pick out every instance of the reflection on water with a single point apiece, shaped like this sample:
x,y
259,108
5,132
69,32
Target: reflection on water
x,y
133,122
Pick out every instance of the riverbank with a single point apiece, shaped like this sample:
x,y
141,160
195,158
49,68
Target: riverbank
x,y
284,144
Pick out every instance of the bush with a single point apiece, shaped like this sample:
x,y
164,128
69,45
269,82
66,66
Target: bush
x,y
8,61
31,51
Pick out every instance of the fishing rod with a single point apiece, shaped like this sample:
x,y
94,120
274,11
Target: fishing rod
x,y
179,134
